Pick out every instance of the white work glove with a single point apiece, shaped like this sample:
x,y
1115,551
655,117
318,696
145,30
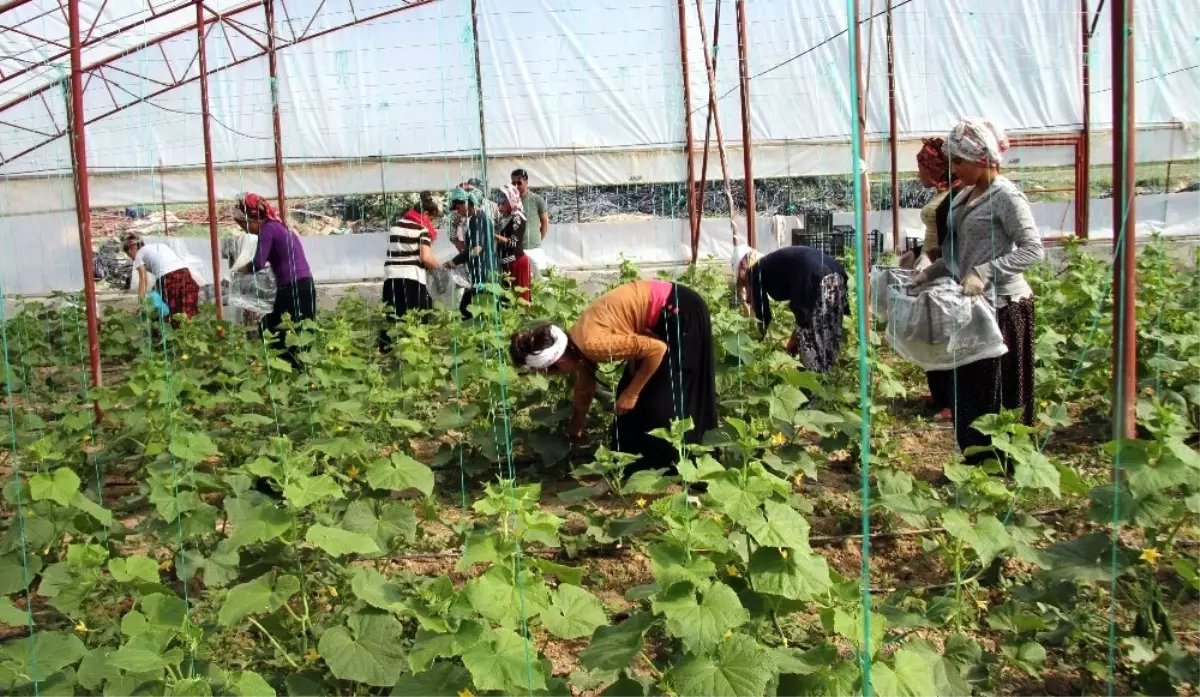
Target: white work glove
x,y
973,284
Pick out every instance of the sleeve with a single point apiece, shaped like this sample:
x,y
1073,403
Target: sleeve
x,y
930,242
1017,218
605,345
139,259
759,302
263,253
425,239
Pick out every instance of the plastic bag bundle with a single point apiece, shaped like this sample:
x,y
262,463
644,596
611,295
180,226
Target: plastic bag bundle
x,y
935,326
250,292
444,285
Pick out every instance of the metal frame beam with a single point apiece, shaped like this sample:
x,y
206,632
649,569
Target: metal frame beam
x,y
273,71
693,218
864,244
893,134
747,138
82,200
1124,222
209,178
1083,153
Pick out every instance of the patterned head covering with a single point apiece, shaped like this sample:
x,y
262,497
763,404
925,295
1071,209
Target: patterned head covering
x,y
744,257
933,163
979,141
254,207
513,197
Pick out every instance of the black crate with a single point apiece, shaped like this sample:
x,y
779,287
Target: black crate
x,y
818,223
832,243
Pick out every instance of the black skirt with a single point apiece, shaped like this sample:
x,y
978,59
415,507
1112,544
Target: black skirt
x,y
683,386
402,295
297,299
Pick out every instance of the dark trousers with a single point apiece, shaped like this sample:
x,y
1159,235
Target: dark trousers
x,y
401,295
298,300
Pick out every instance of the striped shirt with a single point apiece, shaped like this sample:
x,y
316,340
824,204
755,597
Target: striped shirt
x,y
404,251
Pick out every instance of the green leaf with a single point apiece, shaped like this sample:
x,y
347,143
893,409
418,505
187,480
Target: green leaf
x,y
191,687
986,536
802,576
302,491
90,507
444,679
700,624
53,651
11,616
95,668
15,571
908,676
741,666
255,521
848,623
1038,473
134,568
247,683
369,649
496,597
60,487
339,542
400,473
502,661
382,521
193,447
261,596
1083,559
646,482
785,401
566,574
782,527
163,610
613,647
573,613
1030,656
137,659
374,589
670,564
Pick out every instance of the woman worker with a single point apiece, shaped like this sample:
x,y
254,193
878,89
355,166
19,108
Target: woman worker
x,y
663,332
172,278
479,245
993,240
409,256
814,286
281,249
510,236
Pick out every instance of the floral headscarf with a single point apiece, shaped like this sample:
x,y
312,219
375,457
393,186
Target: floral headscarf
x,y
933,163
255,207
465,194
513,197
979,141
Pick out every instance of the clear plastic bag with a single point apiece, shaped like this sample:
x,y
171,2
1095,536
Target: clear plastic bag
x,y
935,327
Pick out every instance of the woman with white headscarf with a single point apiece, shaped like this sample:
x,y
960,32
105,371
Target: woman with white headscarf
x,y
992,241
663,332
812,283
510,241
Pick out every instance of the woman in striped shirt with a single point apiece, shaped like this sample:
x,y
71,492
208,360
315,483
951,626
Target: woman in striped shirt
x,y
409,255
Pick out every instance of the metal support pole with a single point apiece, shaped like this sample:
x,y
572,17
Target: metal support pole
x,y
214,245
1124,223
702,194
1083,158
273,68
893,135
747,140
479,92
82,198
864,245
693,219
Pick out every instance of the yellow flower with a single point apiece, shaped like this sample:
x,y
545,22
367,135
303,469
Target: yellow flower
x,y
981,605
81,627
353,472
641,502
1045,404
798,478
778,439
184,356
312,656
332,592
165,565
728,633
465,693
783,553
731,570
1150,555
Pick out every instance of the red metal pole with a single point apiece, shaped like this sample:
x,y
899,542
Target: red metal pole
x,y
693,219
1083,159
893,136
273,68
863,238
1124,223
747,140
708,121
82,198
202,53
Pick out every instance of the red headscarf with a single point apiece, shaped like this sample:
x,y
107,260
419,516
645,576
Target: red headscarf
x,y
423,220
932,162
255,207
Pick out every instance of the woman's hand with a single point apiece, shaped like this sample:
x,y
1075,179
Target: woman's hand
x,y
626,402
973,284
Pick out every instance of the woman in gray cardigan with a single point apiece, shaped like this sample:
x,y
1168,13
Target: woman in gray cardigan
x,y
993,240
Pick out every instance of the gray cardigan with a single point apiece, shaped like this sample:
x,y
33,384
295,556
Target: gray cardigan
x,y
996,236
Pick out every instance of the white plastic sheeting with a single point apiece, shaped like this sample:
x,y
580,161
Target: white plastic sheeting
x,y
575,80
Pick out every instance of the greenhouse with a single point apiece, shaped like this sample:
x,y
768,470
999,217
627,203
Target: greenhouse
x,y
640,347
